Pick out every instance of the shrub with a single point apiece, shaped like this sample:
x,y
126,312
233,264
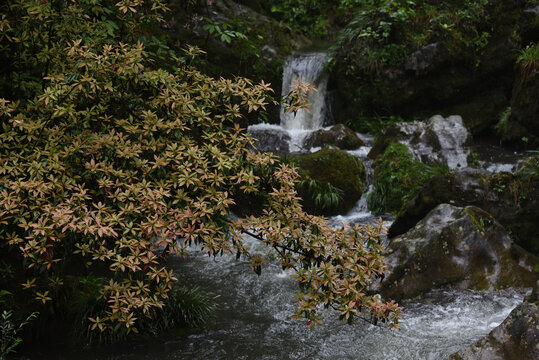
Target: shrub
x,y
113,157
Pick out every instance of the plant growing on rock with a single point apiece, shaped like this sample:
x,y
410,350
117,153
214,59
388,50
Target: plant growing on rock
x,y
111,163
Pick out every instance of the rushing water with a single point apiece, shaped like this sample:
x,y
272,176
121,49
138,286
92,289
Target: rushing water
x,y
254,322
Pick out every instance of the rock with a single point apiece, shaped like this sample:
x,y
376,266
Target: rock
x,y
512,199
338,135
338,168
423,60
270,138
517,338
462,247
482,109
438,141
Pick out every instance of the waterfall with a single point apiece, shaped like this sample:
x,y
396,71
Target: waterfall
x,y
308,67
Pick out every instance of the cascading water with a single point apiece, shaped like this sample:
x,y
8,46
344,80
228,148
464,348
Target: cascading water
x,y
307,68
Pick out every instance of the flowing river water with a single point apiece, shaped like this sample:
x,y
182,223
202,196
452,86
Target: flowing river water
x,y
254,316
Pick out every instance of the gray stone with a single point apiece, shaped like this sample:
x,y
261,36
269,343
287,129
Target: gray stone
x,y
423,60
512,199
338,135
517,338
462,247
438,141
270,139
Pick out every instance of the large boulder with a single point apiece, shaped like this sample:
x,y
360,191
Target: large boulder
x,y
338,135
517,338
463,247
338,169
513,199
438,141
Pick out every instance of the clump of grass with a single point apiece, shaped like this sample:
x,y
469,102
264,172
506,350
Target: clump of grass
x,y
529,60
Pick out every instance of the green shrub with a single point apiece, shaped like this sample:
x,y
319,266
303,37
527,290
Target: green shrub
x,y
9,332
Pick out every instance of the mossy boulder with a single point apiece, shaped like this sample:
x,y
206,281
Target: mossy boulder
x,y
517,338
513,199
437,141
338,135
398,178
462,247
338,168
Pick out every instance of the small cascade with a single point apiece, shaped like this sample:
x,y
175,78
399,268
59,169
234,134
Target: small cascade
x,y
309,68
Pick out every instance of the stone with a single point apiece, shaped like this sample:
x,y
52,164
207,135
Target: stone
x,y
270,138
465,248
423,60
517,338
338,135
438,141
513,199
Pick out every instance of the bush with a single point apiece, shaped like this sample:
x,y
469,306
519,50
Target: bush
x,y
110,162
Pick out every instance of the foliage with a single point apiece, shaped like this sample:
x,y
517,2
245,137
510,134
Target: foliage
x,y
398,178
374,124
314,17
529,60
9,332
223,31
502,125
112,159
383,32
325,196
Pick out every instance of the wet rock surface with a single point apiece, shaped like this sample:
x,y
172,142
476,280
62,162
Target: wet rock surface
x,y
339,135
275,140
513,199
436,141
462,247
517,338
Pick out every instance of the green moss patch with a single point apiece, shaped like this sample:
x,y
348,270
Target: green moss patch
x,y
337,168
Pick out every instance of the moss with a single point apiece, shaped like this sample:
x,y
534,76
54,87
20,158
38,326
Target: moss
x,y
398,178
480,218
335,167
